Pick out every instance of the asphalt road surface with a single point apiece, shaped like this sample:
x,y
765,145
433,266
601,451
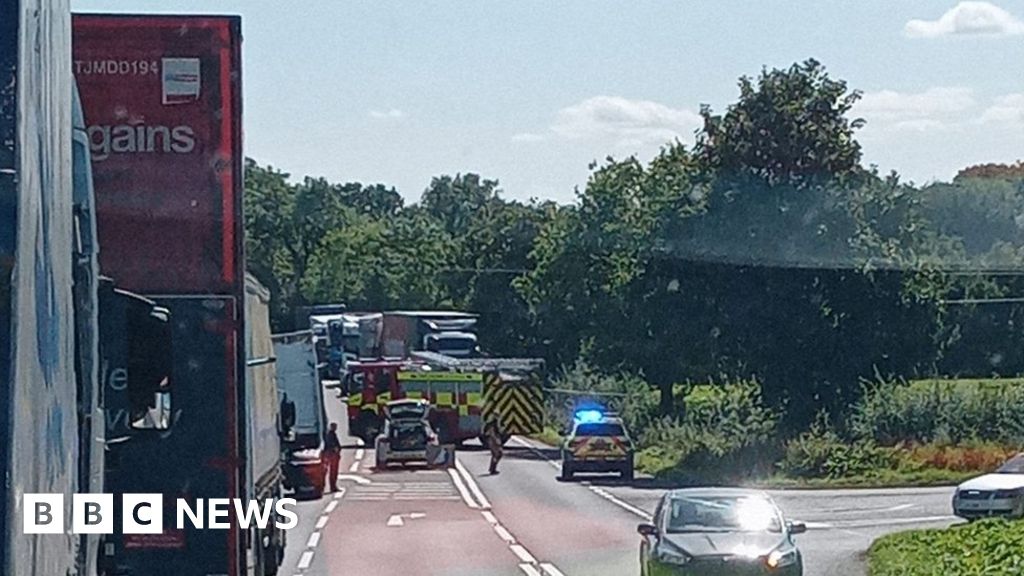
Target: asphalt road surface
x,y
525,521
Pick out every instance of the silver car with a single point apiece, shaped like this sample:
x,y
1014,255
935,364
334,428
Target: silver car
x,y
998,494
719,532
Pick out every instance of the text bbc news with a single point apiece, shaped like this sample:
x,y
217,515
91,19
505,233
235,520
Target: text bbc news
x,y
144,513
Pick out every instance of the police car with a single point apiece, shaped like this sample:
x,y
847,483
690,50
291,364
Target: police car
x,y
597,442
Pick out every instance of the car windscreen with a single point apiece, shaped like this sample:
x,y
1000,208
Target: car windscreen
x,y
1014,465
722,514
600,430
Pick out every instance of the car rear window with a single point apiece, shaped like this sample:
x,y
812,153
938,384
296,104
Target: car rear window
x,y
600,430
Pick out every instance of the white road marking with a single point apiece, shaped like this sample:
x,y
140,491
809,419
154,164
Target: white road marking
x,y
462,489
331,506
489,516
339,494
355,478
360,453
894,521
354,467
321,522
550,569
553,463
417,515
620,503
359,442
522,553
817,525
899,507
530,570
314,539
473,486
305,560
504,534
395,521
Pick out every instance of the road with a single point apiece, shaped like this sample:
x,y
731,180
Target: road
x,y
525,521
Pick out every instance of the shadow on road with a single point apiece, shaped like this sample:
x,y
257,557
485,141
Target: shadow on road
x,y
535,454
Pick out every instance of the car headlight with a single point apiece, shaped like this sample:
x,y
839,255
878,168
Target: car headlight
x,y
781,558
307,456
676,557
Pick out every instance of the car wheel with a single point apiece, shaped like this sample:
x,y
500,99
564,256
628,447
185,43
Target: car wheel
x,y
627,472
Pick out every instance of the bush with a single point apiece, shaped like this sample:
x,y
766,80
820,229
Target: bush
x,y
724,433
943,411
822,453
633,398
970,457
975,549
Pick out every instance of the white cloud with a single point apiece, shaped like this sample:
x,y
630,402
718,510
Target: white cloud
x,y
934,109
625,122
528,137
967,18
392,114
1007,111
892,105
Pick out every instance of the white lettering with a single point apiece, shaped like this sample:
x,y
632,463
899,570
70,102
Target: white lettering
x,y
195,516
246,515
219,509
281,507
105,140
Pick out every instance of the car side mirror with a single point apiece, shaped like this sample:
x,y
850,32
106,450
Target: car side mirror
x,y
796,527
647,529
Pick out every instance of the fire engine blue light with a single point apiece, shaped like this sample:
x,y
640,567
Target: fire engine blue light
x,y
588,416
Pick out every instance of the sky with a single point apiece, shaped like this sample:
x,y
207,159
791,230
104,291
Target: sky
x,y
531,92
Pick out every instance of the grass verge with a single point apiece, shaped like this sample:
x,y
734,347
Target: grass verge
x,y
986,547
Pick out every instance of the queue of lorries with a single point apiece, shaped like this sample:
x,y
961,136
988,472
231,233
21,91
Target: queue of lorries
x,y
135,352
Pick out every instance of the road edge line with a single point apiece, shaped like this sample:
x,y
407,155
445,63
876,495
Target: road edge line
x,y
473,486
463,491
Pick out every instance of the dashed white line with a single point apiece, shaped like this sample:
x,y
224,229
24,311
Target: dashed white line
x,y
305,560
354,467
550,569
360,453
461,487
522,553
331,506
338,495
473,486
314,540
489,516
620,503
322,522
530,570
504,534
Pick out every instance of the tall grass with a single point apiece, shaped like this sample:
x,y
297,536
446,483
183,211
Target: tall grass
x,y
941,411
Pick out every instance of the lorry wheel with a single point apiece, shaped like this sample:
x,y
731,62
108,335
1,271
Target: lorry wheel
x,y
273,555
567,471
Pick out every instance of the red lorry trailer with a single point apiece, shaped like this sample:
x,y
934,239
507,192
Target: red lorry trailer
x,y
162,101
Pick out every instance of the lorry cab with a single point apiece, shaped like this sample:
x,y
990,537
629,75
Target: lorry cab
x,y
453,344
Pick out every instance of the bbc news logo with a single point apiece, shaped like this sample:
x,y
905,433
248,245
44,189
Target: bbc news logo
x,y
144,513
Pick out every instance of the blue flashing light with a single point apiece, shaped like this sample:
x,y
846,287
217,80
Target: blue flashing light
x,y
589,416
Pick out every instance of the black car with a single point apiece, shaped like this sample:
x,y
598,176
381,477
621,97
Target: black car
x,y
719,532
